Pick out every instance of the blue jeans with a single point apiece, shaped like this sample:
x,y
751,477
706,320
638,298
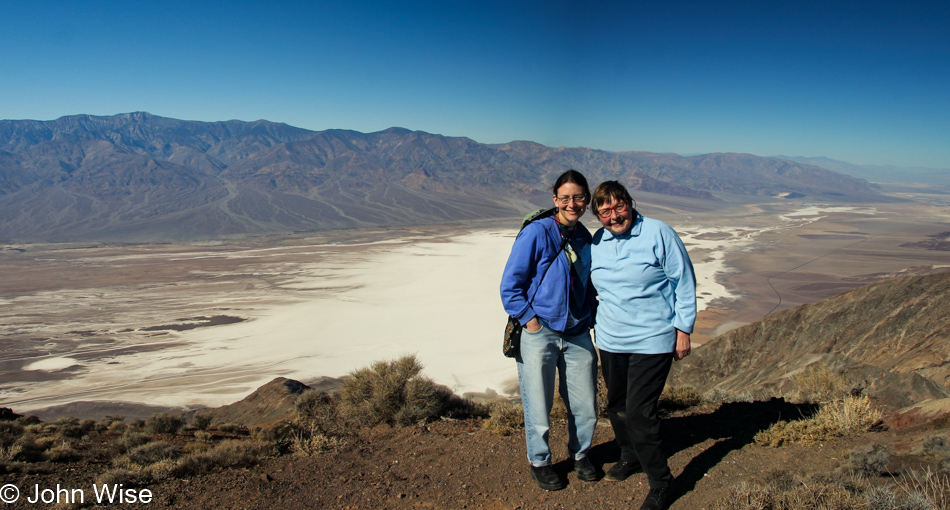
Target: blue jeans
x,y
575,361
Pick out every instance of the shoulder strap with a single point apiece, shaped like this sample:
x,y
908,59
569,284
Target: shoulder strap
x,y
536,215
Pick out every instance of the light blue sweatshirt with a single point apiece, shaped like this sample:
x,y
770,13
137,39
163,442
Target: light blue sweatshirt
x,y
646,286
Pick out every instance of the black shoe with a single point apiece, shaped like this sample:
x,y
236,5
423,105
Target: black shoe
x,y
622,470
585,470
658,499
546,477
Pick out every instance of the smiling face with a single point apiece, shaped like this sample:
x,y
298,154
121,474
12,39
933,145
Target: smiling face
x,y
571,202
616,216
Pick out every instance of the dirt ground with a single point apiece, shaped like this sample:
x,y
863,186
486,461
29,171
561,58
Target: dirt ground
x,y
458,464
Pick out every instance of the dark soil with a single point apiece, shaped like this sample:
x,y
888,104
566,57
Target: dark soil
x,y
458,464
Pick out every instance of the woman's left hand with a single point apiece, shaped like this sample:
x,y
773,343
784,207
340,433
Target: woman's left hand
x,y
682,345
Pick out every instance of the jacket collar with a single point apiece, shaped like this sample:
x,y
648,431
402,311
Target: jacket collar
x,y
633,232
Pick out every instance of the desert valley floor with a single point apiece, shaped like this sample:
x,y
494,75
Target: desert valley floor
x,y
204,324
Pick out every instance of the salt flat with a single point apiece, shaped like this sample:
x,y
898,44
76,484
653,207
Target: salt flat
x,y
204,325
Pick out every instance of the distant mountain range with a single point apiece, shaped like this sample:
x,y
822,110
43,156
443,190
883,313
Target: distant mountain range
x,y
138,177
878,173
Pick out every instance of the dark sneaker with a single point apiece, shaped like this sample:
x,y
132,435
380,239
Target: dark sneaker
x,y
585,470
622,470
658,499
546,477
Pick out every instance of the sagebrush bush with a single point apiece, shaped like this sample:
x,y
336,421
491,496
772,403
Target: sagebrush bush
x,y
317,410
394,392
834,419
163,423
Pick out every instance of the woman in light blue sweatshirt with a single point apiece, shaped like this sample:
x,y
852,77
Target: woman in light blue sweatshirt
x,y
647,292
546,286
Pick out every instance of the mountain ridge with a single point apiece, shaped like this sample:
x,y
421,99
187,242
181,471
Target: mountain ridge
x,y
141,177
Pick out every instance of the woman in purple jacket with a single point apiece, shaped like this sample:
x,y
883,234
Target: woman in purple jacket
x,y
546,286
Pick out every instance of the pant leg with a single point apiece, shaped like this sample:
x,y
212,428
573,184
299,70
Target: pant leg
x,y
615,367
646,376
578,369
537,363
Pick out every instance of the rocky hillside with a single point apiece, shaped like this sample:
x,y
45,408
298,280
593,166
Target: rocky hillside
x,y
891,339
140,177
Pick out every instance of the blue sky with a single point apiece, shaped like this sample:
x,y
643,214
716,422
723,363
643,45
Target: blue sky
x,y
866,82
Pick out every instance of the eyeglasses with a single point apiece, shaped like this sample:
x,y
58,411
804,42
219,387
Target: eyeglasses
x,y
607,212
578,199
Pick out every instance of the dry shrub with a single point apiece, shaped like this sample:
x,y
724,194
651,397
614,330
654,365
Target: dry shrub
x,y
10,432
149,453
504,418
24,449
680,396
129,440
818,383
869,459
394,392
201,421
936,448
306,445
317,411
780,491
926,489
834,419
29,419
62,452
203,435
227,454
161,470
229,428
163,423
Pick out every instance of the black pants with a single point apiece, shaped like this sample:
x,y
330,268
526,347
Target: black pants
x,y
634,384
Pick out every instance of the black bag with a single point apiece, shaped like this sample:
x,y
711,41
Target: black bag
x,y
512,342
512,338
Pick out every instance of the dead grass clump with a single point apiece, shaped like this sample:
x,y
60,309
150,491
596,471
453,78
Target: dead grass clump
x,y
24,449
161,470
392,392
129,440
818,383
306,444
682,396
149,453
784,492
834,419
924,488
63,452
504,418
163,423
229,428
869,459
227,454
